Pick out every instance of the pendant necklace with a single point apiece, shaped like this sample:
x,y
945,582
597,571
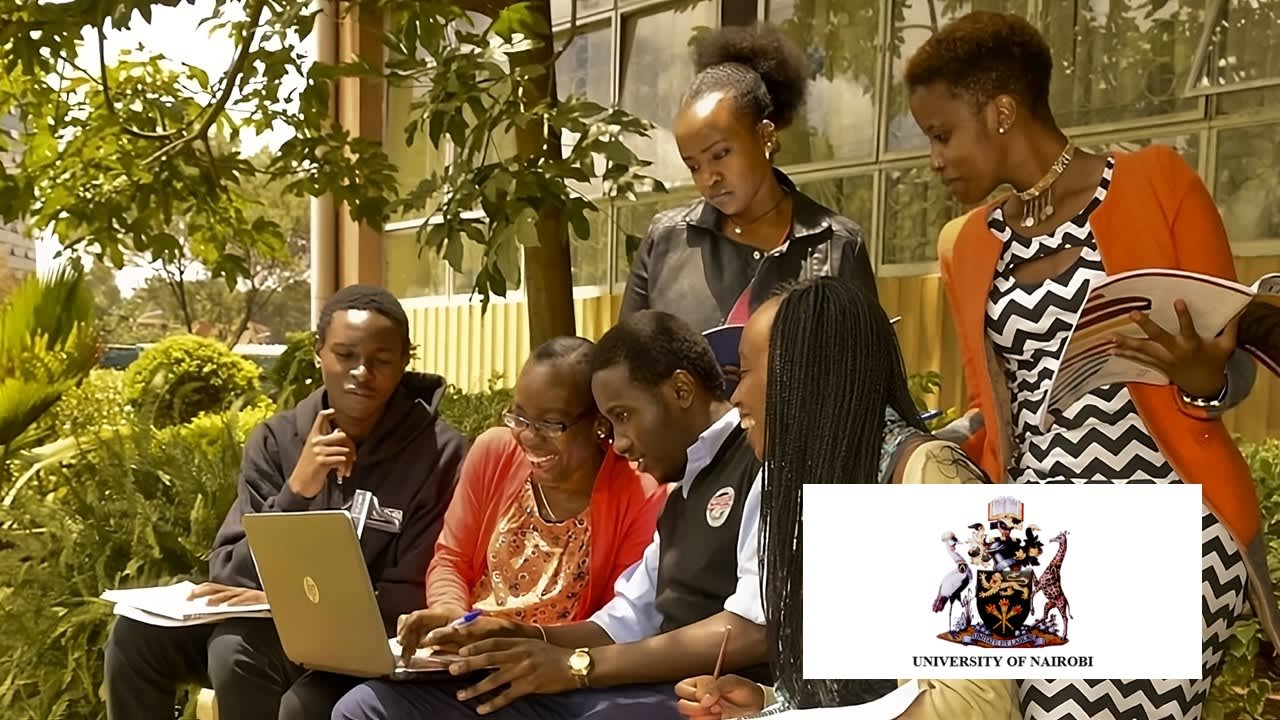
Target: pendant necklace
x,y
1037,202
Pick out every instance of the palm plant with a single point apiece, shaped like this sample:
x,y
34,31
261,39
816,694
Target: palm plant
x,y
48,344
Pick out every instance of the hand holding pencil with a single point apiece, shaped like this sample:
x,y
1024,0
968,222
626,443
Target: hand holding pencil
x,y
711,697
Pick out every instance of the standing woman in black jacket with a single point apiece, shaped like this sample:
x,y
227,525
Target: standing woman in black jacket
x,y
713,261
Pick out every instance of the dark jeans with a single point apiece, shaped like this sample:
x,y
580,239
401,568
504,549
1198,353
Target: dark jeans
x,y
240,659
383,700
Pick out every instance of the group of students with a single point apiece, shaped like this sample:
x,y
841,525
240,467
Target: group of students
x,y
631,509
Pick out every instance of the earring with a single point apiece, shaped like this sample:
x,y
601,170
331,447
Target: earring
x,y
1001,130
602,431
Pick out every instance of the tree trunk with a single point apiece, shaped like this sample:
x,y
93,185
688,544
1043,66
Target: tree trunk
x,y
548,278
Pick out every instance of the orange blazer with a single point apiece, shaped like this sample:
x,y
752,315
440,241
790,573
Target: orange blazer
x,y
624,514
1158,214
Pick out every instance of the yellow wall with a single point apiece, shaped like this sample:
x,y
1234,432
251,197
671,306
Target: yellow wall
x,y
468,348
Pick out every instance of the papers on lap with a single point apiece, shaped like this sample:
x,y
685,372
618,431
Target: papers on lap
x,y
168,606
1088,363
886,708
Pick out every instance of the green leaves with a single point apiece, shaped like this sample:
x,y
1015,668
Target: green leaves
x,y
522,159
47,346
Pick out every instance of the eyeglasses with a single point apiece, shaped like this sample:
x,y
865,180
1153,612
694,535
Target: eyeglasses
x,y
542,427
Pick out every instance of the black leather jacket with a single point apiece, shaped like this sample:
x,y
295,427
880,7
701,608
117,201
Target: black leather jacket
x,y
686,267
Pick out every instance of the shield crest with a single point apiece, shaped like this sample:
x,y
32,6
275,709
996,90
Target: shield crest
x,y
1003,598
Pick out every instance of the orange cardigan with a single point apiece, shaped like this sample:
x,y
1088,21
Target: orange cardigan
x,y
1157,214
624,513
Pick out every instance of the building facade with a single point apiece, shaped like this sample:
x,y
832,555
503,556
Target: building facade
x,y
1199,75
17,251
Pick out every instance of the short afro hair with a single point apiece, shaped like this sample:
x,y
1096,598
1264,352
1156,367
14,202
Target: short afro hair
x,y
653,345
984,55
759,66
365,297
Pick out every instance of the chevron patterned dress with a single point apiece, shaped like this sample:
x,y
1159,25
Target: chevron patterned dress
x,y
1100,439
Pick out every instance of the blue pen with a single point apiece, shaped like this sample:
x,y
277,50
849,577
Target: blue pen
x,y
466,619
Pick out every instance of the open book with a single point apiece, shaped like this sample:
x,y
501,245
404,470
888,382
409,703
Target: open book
x,y
1088,363
168,606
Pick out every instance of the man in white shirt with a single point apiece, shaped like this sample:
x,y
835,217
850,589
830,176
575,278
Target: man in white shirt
x,y
658,383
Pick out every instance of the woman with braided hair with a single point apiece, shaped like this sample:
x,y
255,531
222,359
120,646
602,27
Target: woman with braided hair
x,y
713,261
817,362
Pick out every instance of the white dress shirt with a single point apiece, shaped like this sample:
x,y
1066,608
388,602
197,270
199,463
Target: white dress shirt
x,y
631,615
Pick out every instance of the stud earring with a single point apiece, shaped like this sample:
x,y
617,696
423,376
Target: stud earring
x,y
1001,131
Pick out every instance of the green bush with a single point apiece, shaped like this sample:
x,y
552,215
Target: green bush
x,y
140,507
98,402
294,374
1248,677
185,375
473,413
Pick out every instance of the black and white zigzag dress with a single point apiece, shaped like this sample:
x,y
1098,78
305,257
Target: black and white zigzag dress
x,y
1100,439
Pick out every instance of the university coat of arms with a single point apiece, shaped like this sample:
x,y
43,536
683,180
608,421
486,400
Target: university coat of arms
x,y
995,580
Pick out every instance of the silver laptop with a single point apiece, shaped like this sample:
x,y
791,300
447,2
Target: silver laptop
x,y
322,601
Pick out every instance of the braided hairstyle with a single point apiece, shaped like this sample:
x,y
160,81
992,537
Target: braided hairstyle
x,y
834,366
759,66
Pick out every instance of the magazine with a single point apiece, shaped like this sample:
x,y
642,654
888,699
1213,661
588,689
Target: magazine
x,y
1087,361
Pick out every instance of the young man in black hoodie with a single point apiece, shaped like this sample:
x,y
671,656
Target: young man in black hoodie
x,y
372,426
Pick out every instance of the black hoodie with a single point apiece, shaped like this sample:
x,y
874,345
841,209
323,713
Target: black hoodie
x,y
410,462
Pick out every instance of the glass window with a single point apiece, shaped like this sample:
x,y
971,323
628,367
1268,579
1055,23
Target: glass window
x,y
852,197
1242,44
1249,101
409,273
1113,59
916,206
1188,146
655,73
1246,184
585,67
591,254
840,37
414,163
561,9
1120,59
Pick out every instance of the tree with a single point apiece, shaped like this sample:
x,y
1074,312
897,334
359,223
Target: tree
x,y
117,154
494,82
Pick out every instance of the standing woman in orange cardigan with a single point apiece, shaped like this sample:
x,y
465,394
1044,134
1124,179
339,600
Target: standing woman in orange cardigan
x,y
1017,271
545,516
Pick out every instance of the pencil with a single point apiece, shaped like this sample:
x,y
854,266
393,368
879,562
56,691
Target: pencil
x,y
724,646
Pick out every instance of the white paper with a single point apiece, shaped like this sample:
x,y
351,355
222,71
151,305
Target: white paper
x,y
170,602
886,708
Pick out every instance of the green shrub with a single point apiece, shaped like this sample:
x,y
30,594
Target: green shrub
x,y
98,402
294,374
1247,677
184,376
138,508
473,413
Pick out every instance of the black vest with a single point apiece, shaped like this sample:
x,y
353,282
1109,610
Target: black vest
x,y
698,540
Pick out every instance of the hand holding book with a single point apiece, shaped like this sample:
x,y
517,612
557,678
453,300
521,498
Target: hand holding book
x,y
1195,363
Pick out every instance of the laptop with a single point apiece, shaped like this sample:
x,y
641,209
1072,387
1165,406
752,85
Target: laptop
x,y
322,601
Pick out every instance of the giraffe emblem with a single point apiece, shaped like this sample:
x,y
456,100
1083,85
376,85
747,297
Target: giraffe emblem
x,y
990,592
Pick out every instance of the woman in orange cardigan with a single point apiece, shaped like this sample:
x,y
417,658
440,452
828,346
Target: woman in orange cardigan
x,y
545,516
1017,271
